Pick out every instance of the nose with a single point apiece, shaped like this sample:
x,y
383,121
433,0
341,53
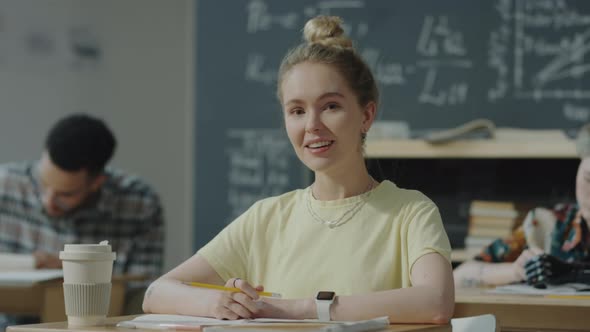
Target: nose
x,y
314,122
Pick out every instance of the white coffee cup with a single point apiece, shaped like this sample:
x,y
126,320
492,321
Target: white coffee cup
x,y
88,270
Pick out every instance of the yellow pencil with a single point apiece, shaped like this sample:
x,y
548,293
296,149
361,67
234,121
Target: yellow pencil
x,y
228,289
565,296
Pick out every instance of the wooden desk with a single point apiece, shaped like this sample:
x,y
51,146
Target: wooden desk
x,y
525,312
46,299
112,321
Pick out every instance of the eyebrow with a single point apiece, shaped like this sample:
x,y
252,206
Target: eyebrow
x,y
323,96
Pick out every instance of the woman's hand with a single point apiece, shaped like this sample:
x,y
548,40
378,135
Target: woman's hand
x,y
548,269
45,260
519,264
237,305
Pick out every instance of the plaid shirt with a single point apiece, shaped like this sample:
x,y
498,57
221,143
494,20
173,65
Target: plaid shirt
x,y
126,212
570,239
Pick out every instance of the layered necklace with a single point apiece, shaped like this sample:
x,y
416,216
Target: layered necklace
x,y
346,215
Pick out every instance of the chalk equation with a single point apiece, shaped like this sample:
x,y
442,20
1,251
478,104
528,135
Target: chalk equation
x,y
535,50
259,165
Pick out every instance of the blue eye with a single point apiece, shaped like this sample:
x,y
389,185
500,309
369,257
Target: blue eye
x,y
297,111
331,106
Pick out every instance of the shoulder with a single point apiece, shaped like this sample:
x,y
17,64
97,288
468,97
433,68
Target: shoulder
x,y
15,171
16,177
124,191
269,211
404,207
280,202
402,199
122,183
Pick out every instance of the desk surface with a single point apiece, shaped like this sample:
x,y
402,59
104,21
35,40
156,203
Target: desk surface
x,y
525,312
45,299
479,295
112,321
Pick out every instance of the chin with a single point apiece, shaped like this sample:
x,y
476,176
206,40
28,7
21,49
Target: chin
x,y
54,213
317,166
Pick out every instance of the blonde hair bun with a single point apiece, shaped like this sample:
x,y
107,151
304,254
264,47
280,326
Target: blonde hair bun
x,y
327,31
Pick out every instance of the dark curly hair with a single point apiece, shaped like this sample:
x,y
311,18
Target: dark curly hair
x,y
80,141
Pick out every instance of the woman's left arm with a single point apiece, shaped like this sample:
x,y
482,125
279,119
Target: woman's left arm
x,y
431,299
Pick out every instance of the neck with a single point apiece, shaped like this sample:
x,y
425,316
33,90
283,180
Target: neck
x,y
326,188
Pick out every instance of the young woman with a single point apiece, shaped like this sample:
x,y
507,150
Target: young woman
x,y
346,247
551,247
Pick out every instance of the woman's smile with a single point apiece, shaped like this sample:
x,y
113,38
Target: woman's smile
x,y
319,147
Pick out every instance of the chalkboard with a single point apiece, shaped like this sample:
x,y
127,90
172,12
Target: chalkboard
x,y
520,63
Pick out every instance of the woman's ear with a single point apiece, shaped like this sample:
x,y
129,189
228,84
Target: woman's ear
x,y
369,113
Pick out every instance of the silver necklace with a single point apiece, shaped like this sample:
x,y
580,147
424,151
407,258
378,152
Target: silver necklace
x,y
347,215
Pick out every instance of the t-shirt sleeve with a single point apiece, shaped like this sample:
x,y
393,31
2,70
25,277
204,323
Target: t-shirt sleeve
x,y
426,233
228,251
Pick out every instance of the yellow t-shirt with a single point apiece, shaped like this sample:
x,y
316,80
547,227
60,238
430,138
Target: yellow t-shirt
x,y
278,244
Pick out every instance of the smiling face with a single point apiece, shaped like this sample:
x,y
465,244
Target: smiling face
x,y
323,118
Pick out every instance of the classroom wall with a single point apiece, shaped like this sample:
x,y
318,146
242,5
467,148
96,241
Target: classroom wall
x,y
140,81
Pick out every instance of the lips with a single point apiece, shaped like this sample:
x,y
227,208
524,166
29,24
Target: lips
x,y
319,144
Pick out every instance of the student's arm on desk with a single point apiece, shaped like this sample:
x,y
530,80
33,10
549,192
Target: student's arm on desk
x,y
477,273
168,295
45,260
429,300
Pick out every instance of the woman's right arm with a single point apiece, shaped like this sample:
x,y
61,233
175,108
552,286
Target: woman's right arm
x,y
503,260
476,273
168,295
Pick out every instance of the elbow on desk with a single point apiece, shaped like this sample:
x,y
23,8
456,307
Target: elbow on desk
x,y
441,318
442,314
145,305
437,307
443,308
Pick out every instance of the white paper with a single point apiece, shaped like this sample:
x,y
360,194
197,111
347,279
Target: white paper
x,y
27,278
16,262
163,322
565,289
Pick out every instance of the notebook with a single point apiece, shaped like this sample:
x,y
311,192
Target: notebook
x,y
180,322
28,278
16,262
565,289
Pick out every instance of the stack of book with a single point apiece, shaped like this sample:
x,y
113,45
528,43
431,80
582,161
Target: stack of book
x,y
488,221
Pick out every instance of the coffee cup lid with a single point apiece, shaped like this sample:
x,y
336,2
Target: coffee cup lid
x,y
101,251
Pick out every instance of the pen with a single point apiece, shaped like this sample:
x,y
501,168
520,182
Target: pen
x,y
229,289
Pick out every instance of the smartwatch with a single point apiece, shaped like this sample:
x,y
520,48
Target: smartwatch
x,y
323,302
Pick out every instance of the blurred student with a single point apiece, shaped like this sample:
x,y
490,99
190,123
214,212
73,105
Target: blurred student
x,y
345,248
551,247
69,196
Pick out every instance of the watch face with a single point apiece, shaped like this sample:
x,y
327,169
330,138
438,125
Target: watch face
x,y
323,295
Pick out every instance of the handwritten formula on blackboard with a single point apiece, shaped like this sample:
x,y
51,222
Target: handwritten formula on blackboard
x,y
439,64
